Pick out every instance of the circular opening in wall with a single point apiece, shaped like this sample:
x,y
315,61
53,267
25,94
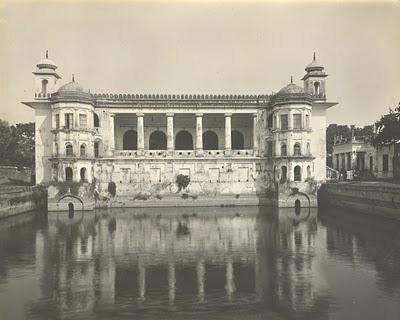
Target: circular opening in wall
x,y
297,207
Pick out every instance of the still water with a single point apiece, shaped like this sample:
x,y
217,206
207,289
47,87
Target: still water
x,y
200,263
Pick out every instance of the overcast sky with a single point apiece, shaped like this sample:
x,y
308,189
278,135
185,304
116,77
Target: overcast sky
x,y
205,47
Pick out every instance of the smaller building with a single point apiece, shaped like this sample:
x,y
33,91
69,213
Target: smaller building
x,y
358,155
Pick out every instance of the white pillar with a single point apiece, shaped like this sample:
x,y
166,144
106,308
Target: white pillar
x,y
255,136
228,130
199,133
111,147
140,131
170,132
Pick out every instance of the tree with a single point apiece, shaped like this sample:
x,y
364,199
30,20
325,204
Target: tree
x,y
334,130
388,128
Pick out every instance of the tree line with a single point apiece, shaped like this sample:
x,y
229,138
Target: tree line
x,y
17,144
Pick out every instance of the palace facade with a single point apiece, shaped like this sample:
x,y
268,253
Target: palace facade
x,y
226,144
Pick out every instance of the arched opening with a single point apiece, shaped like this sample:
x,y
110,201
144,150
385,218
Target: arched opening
x,y
183,141
284,174
96,148
297,149
237,140
283,150
68,174
69,151
210,140
96,120
83,150
270,121
317,86
297,173
308,172
70,210
83,174
308,147
56,149
129,140
297,207
44,86
158,140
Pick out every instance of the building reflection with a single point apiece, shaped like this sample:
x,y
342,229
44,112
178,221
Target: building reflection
x,y
182,259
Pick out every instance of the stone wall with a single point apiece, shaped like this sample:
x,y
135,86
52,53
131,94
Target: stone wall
x,y
16,200
9,172
375,198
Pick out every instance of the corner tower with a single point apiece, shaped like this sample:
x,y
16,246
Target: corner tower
x,y
45,78
314,80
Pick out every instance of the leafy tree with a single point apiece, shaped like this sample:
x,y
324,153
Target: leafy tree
x,y
388,128
182,181
335,130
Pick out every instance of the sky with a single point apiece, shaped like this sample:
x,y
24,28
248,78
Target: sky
x,y
237,47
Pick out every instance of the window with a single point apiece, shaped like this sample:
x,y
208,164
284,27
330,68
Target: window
x,y
158,140
284,174
69,151
44,86
83,151
56,149
297,173
385,163
284,122
297,149
269,148
316,88
270,121
283,150
96,150
69,120
308,148
96,121
297,121
68,174
83,174
307,121
82,121
308,172
57,121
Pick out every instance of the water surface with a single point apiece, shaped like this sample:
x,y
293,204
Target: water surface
x,y
200,263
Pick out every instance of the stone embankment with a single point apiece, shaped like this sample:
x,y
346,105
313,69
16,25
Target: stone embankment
x,y
15,200
375,198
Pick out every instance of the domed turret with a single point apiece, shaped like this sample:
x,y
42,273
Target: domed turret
x,y
72,91
314,65
314,80
291,93
45,78
46,63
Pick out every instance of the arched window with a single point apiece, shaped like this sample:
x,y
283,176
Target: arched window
x,y
83,174
56,149
237,140
297,149
308,148
317,86
210,140
284,174
308,172
96,148
183,141
129,140
44,86
68,174
96,120
158,140
270,121
297,173
69,151
283,150
83,150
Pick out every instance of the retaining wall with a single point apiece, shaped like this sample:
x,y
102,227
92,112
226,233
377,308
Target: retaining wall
x,y
376,198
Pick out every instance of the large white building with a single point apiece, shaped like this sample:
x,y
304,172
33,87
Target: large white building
x,y
228,143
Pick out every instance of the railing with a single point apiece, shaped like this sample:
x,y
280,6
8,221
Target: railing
x,y
332,174
182,153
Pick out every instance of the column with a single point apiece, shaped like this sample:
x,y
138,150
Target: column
x,y
170,132
199,133
111,146
201,271
228,130
171,282
255,137
140,131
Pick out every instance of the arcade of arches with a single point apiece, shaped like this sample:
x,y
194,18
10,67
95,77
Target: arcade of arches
x,y
185,132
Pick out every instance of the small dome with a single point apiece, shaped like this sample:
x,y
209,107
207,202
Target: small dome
x,y
71,87
72,91
291,88
46,63
314,65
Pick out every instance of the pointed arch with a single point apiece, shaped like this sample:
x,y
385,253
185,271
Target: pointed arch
x,y
210,140
183,140
158,140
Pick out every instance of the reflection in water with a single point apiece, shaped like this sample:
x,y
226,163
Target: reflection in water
x,y
190,263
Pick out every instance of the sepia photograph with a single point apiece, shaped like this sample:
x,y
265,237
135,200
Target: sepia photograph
x,y
200,159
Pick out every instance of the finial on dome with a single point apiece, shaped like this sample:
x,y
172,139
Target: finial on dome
x,y
291,79
314,56
47,54
73,78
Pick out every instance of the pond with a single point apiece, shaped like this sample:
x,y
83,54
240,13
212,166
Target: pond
x,y
200,263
